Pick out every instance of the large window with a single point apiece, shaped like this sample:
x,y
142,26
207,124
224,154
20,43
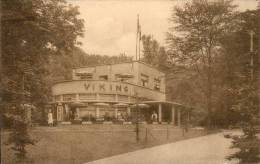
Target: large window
x,y
87,96
69,97
144,80
133,99
103,77
124,77
57,98
84,76
157,84
123,98
107,97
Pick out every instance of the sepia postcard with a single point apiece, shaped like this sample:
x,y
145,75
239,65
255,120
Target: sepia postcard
x,y
130,81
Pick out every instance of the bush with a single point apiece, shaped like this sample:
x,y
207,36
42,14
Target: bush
x,y
248,145
6,122
19,137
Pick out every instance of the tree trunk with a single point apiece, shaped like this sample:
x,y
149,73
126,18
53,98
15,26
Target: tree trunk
x,y
209,90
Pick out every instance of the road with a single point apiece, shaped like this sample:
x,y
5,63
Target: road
x,y
210,149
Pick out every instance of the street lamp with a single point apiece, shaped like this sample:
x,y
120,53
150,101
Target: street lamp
x,y
251,33
138,105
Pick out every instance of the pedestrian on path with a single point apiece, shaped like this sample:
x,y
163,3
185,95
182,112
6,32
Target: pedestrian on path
x,y
50,119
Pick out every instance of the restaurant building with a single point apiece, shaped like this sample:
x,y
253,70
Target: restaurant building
x,y
114,92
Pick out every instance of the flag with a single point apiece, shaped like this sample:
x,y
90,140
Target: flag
x,y
138,25
137,38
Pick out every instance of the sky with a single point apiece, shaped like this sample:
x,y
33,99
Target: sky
x,y
110,25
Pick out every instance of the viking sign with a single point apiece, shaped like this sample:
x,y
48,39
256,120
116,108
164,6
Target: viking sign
x,y
106,87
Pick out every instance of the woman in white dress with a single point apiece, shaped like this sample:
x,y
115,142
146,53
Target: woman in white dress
x,y
50,119
154,117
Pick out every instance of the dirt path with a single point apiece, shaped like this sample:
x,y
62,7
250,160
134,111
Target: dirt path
x,y
210,149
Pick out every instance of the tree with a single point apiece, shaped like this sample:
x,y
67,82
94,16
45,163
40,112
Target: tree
x,y
61,66
32,31
150,49
154,54
248,108
194,40
245,85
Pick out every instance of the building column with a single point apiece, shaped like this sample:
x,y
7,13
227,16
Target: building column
x,y
66,114
77,97
97,96
173,115
179,117
97,112
188,117
116,109
160,113
61,97
78,113
129,111
59,112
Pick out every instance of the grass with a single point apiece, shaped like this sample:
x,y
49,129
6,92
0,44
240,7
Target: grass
x,y
77,144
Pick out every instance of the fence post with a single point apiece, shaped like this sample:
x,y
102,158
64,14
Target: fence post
x,y
146,136
183,130
167,132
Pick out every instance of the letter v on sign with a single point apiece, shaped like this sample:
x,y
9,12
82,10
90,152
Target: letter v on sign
x,y
86,86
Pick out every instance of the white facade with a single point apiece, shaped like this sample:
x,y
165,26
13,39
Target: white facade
x,y
107,92
129,80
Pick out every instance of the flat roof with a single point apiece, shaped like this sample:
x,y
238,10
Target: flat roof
x,y
134,61
166,102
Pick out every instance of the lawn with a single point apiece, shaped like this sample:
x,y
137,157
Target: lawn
x,y
77,144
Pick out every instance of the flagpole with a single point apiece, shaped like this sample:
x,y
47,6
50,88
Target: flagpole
x,y
137,31
139,41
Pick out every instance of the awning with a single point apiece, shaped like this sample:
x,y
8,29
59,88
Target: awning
x,y
28,106
121,105
140,106
186,107
101,104
85,72
125,75
162,102
77,104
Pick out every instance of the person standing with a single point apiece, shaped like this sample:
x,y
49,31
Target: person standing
x,y
50,119
154,117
